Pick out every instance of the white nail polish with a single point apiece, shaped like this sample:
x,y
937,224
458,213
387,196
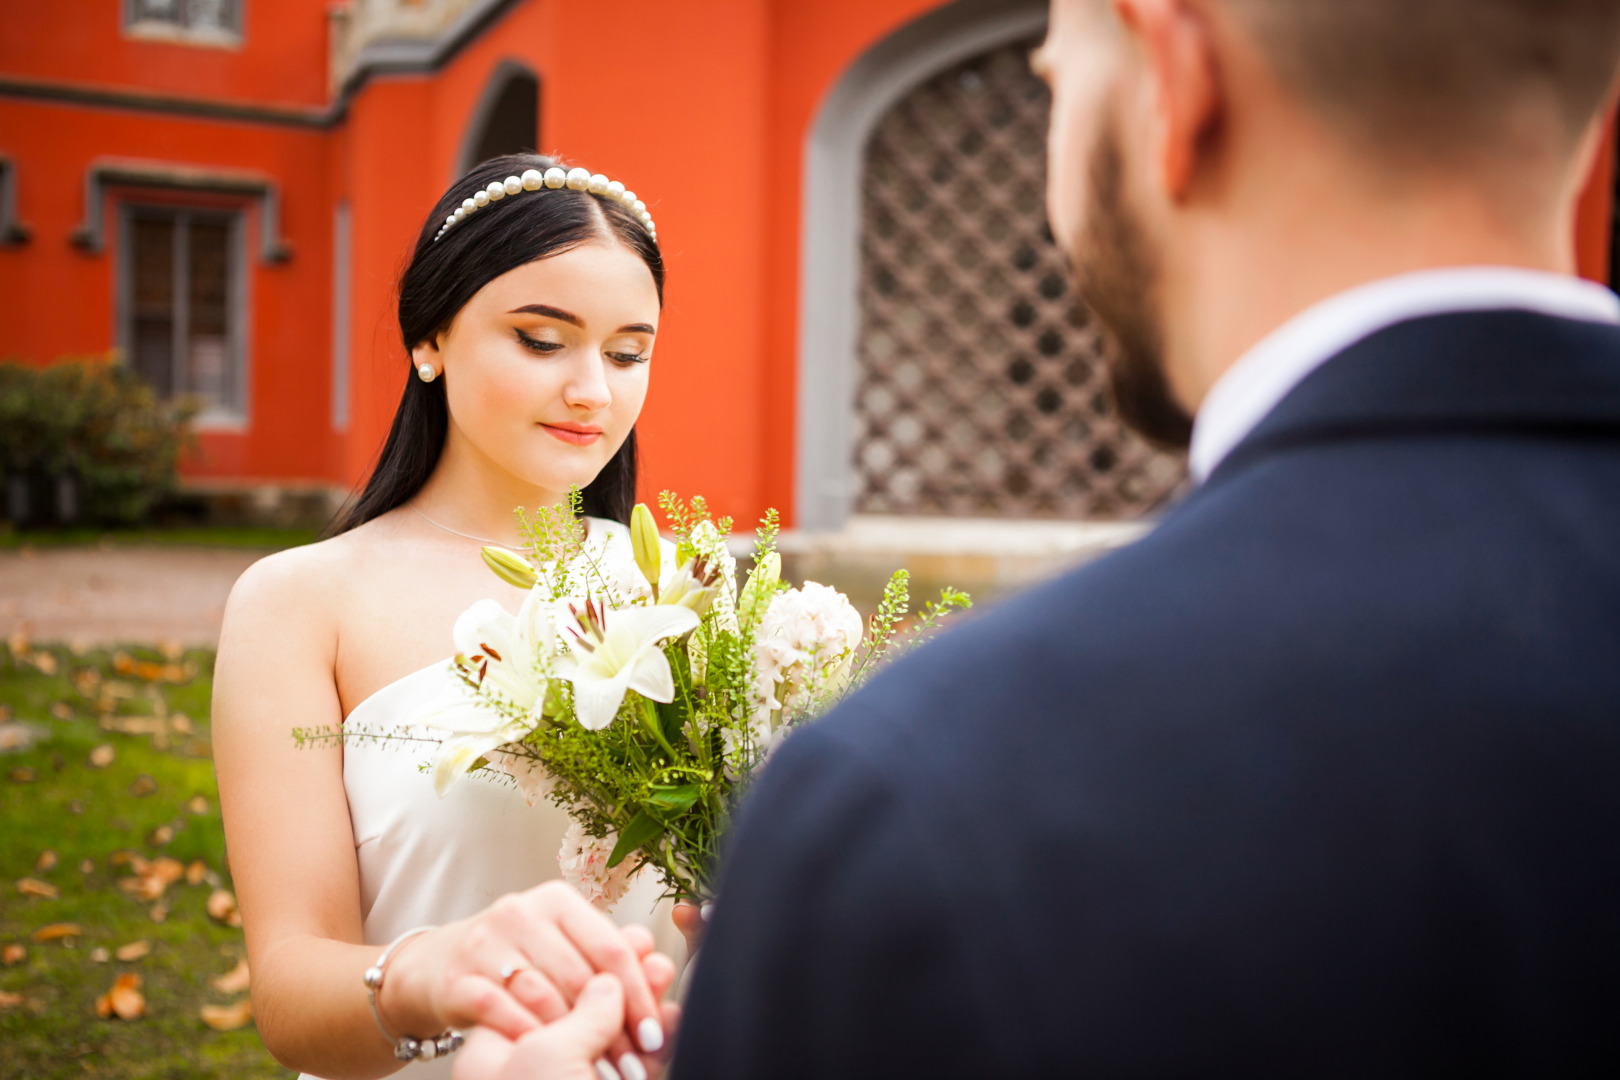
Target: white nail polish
x,y
631,1068
706,910
606,1071
651,1035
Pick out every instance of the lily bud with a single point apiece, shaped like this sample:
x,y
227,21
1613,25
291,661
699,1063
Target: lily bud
x,y
510,567
756,595
644,544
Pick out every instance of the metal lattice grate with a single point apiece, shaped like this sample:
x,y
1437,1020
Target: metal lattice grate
x,y
982,390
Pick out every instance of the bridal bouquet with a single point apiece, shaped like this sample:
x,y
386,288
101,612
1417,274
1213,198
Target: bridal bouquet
x,y
641,693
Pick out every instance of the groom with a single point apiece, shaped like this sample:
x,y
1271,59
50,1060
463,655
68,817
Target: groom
x,y
1323,776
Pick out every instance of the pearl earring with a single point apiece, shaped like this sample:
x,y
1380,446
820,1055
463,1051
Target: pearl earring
x,y
426,373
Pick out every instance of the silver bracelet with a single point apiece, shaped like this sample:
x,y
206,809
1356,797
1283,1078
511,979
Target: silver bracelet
x,y
405,1047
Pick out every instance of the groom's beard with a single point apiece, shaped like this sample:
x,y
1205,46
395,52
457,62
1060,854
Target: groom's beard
x,y
1117,271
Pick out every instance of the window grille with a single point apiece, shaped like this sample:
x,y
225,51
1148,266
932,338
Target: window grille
x,y
183,316
196,20
981,390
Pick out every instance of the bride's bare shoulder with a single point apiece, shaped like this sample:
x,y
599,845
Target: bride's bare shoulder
x,y
310,583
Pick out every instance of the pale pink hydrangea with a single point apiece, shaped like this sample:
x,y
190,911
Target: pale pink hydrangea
x,y
584,863
804,643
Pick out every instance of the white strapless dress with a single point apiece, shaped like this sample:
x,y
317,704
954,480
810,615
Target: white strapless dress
x,y
426,860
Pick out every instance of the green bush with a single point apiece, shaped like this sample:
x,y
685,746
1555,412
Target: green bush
x,y
97,421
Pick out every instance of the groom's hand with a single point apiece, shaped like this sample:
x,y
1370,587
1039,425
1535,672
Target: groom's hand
x,y
690,920
566,1049
571,1048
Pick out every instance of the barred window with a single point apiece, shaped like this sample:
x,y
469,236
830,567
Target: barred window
x,y
981,389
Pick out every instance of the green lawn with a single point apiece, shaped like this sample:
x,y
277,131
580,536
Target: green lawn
x,y
206,536
155,799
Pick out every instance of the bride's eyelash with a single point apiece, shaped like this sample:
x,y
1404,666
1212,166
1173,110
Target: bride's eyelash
x,y
537,345
545,347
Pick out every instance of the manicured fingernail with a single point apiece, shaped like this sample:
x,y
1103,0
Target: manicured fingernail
x,y
606,1071
650,1033
706,910
631,1068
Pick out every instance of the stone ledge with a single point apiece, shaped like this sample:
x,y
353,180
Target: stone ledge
x,y
986,557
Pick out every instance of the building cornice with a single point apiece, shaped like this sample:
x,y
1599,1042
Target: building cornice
x,y
382,55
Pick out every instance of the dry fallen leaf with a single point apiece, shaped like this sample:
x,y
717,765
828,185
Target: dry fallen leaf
x,y
181,723
34,887
170,649
99,955
9,1000
46,862
222,908
233,981
227,1017
198,805
88,866
133,951
57,930
142,786
102,756
123,857
22,774
151,878
14,953
124,1000
196,872
161,835
45,662
160,912
62,710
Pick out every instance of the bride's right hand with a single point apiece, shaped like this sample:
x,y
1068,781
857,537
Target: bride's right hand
x,y
552,941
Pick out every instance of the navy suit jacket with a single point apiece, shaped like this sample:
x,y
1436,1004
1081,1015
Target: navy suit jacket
x,y
1321,778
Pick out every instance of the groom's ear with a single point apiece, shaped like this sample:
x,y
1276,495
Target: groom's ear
x,y
1181,87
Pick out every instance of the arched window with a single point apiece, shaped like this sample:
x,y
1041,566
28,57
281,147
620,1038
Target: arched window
x,y
981,388
507,119
960,377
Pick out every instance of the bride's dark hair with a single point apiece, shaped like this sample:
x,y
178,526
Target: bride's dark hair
x,y
444,275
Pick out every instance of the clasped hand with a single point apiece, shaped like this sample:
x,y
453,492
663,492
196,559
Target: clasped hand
x,y
522,964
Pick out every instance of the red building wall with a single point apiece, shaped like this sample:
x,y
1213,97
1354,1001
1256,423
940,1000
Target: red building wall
x,y
701,106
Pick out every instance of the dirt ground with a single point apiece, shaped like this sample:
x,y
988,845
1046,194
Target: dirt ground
x,y
134,595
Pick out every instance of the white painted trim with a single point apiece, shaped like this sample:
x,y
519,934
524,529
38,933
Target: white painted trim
x,y
830,262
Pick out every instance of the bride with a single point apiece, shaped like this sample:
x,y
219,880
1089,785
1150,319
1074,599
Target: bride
x,y
529,308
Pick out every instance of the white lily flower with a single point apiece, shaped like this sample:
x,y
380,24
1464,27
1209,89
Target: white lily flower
x,y
458,752
617,649
508,656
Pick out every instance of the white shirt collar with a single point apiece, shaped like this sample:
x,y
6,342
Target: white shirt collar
x,y
1264,375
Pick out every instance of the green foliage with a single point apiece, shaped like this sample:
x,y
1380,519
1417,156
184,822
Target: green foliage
x,y
97,420
83,813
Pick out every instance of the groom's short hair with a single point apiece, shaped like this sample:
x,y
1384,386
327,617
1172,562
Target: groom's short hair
x,y
1439,76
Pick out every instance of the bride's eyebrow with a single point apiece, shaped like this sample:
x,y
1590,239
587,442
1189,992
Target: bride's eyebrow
x,y
549,312
569,317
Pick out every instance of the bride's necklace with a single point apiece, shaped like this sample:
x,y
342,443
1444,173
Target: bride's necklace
x,y
448,529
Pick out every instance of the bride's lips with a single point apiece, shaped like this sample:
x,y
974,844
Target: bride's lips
x,y
577,434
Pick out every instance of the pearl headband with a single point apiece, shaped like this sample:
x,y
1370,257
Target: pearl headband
x,y
554,177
